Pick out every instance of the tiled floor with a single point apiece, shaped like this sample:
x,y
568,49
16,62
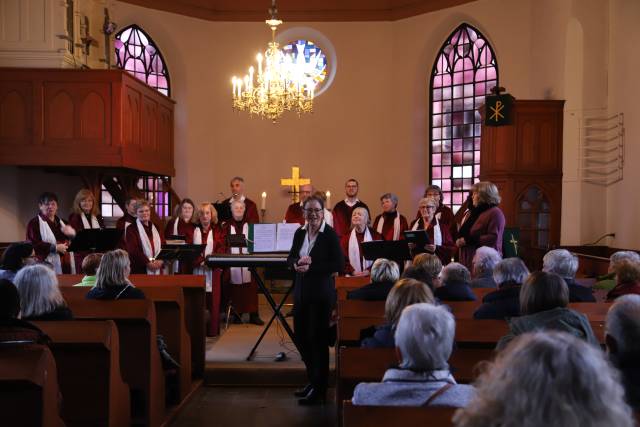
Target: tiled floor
x,y
254,407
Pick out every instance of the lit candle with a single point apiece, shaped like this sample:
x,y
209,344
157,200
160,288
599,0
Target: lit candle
x,y
328,194
251,76
263,205
259,58
239,82
233,81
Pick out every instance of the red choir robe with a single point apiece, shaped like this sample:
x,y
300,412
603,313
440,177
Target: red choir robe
x,y
446,218
133,246
44,249
342,216
185,229
243,297
122,221
344,242
388,225
75,220
250,213
444,251
213,285
294,214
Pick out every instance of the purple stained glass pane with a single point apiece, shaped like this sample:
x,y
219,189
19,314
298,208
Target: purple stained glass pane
x,y
457,198
436,159
457,158
446,185
436,173
468,144
457,145
476,170
446,171
446,198
467,157
436,146
446,159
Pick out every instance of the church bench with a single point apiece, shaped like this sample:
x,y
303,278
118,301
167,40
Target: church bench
x,y
345,284
382,416
87,355
140,362
193,289
29,394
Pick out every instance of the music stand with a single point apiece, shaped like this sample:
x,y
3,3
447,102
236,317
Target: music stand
x,y
395,250
95,240
418,237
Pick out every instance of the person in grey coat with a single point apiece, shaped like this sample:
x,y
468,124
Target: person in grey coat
x,y
424,337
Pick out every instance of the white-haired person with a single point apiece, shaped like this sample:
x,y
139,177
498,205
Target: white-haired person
x,y
351,242
504,302
390,224
384,274
239,288
608,281
440,241
544,298
484,260
424,339
40,297
456,284
143,242
627,279
404,293
622,337
565,264
548,379
112,278
184,226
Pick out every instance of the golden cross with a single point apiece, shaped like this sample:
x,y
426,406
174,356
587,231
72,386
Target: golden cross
x,y
497,111
295,182
514,242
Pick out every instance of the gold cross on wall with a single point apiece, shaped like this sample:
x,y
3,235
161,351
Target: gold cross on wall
x,y
295,182
514,242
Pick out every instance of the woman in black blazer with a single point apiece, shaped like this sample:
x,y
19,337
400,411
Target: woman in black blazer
x,y
316,256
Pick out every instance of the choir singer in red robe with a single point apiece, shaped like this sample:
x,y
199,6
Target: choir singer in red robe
x,y
239,287
182,225
441,244
143,242
351,242
129,216
294,211
343,209
237,193
444,212
390,224
85,216
50,236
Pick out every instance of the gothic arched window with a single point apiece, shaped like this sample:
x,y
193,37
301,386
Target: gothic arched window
x,y
464,72
137,53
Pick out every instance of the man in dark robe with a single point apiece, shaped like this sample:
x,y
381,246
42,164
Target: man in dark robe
x,y
294,211
237,193
343,209
129,216
390,224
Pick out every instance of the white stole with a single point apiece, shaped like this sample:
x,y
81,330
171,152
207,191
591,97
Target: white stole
x,y
208,250
146,244
85,222
46,234
328,217
240,275
396,225
356,260
437,234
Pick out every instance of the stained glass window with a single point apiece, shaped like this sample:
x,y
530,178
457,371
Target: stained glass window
x,y
307,52
108,206
153,189
464,72
137,53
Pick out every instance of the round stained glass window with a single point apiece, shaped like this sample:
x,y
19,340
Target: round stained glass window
x,y
308,53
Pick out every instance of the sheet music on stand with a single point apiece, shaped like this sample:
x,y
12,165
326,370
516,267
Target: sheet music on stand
x,y
271,237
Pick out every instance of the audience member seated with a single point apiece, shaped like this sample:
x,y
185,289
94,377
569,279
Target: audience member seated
x,y
16,256
548,379
403,294
543,305
456,286
430,267
622,336
40,297
565,264
608,281
112,278
12,329
384,273
503,303
484,260
424,339
627,279
90,265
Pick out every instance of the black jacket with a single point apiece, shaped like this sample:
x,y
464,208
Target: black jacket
x,y
317,284
500,304
485,281
112,292
579,293
60,313
455,291
375,291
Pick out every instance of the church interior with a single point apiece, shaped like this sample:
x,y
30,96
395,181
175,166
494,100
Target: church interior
x,y
162,101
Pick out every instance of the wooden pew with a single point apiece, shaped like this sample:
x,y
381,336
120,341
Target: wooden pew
x,y
407,416
87,355
345,284
29,394
139,357
193,288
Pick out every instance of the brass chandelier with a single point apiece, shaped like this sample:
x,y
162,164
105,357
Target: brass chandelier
x,y
281,85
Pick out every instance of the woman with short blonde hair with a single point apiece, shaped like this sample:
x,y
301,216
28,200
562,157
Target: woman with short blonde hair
x,y
210,234
85,216
112,278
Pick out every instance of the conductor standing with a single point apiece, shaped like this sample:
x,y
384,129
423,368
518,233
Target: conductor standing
x,y
316,256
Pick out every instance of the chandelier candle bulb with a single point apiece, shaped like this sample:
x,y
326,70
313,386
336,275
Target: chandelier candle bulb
x,y
263,204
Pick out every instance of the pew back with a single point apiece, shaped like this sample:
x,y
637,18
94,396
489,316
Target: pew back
x,y
383,416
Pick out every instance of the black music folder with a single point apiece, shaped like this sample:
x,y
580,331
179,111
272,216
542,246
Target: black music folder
x,y
236,241
395,250
418,237
181,252
95,240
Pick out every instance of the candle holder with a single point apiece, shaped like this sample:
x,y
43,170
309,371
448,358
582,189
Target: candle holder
x,y
262,213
